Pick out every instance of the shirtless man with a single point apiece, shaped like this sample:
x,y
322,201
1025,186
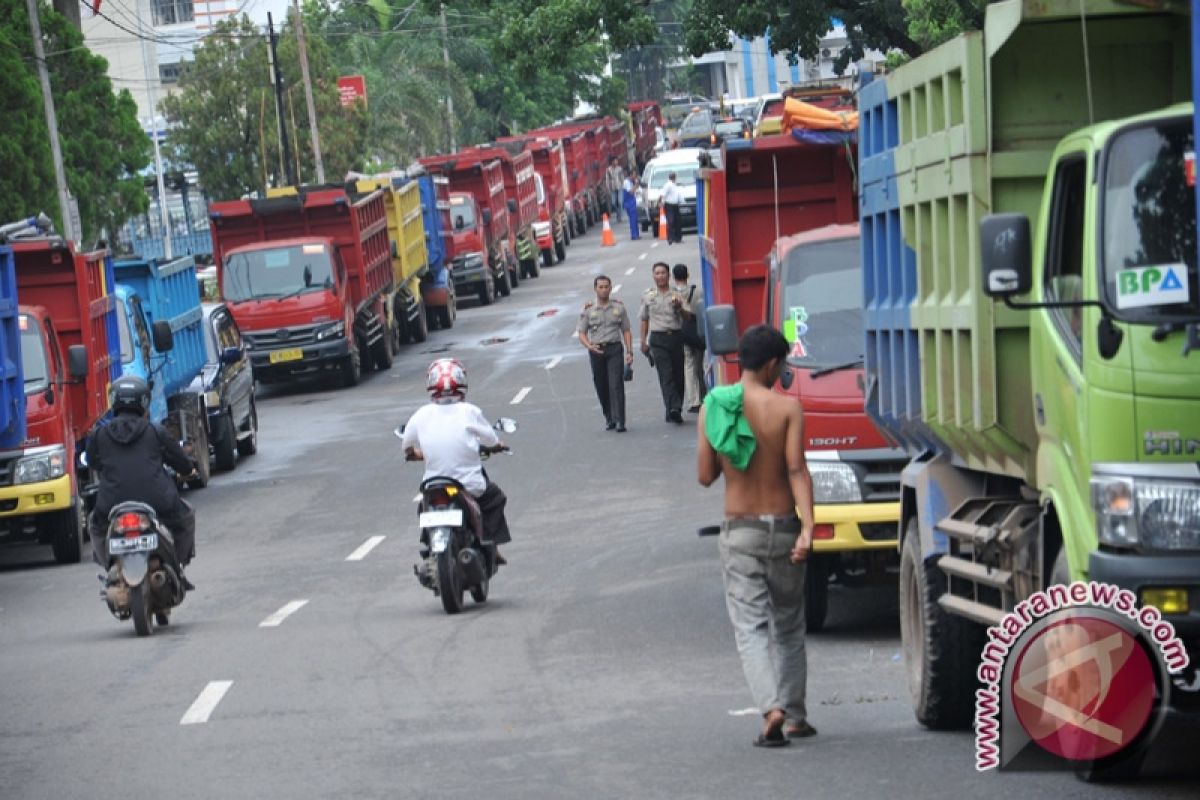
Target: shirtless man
x,y
755,438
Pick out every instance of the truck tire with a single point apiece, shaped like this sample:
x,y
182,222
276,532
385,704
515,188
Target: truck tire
x,y
941,652
418,330
203,467
529,268
568,230
225,443
514,273
383,353
487,295
560,248
446,314
248,445
351,369
66,532
504,286
816,593
548,257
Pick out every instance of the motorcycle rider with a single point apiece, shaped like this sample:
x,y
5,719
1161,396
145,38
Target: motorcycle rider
x,y
448,434
127,456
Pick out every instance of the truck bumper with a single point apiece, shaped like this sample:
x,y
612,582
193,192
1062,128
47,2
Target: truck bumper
x,y
469,280
1137,572
270,366
858,526
21,506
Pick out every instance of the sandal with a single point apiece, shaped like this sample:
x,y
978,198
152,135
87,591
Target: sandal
x,y
801,731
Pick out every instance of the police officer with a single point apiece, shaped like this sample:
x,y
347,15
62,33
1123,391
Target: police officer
x,y
602,327
661,314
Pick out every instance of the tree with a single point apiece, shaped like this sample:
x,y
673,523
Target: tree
x,y
224,119
103,146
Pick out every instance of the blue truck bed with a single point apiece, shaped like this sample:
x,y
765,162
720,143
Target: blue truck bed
x,y
12,386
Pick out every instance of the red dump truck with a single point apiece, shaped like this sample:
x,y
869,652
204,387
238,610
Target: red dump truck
x,y
69,355
646,121
521,196
552,230
583,151
484,260
780,245
307,274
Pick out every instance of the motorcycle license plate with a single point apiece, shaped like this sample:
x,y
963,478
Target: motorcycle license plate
x,y
139,544
436,519
291,354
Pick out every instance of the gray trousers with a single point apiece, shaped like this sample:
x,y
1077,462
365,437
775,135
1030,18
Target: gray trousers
x,y
764,593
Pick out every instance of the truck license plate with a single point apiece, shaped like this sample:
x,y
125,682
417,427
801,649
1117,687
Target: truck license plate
x,y
146,543
291,354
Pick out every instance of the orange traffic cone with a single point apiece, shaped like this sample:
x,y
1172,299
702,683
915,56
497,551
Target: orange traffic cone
x,y
662,223
606,236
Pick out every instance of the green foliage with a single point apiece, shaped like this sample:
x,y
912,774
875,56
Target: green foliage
x,y
102,143
932,22
225,120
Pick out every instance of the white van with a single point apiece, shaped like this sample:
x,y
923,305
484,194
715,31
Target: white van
x,y
685,163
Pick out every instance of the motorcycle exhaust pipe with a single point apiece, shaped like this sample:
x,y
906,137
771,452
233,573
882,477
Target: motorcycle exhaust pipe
x,y
471,562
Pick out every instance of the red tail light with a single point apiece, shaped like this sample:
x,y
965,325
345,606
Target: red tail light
x,y
131,524
822,532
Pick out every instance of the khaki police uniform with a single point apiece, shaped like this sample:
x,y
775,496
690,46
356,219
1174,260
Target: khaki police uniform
x,y
605,326
666,345
693,357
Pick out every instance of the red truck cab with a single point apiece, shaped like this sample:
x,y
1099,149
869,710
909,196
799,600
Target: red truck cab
x,y
470,243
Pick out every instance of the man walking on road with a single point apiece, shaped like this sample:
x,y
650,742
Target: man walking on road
x,y
661,316
614,177
693,357
671,198
755,438
602,327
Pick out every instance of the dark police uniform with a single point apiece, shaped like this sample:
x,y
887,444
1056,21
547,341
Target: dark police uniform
x,y
604,327
666,346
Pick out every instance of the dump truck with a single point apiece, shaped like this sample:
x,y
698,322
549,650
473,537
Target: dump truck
x,y
780,245
161,336
645,121
307,275
1029,271
520,191
56,388
552,231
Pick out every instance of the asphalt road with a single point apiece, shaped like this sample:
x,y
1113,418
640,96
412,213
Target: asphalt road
x,y
602,667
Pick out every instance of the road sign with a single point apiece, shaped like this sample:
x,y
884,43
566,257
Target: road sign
x,y
352,88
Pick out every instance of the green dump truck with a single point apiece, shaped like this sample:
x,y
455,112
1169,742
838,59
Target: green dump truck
x,y
1046,161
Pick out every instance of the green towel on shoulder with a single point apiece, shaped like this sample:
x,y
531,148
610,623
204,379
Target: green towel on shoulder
x,y
726,427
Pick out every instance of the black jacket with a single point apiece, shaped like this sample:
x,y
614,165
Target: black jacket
x,y
127,457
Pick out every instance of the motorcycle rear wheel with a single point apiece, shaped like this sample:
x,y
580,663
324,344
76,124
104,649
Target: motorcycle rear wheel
x,y
139,607
449,582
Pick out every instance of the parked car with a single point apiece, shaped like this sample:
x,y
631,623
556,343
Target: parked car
x,y
697,130
676,108
731,128
228,386
685,163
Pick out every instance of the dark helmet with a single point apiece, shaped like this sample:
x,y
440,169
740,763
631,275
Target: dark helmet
x,y
130,393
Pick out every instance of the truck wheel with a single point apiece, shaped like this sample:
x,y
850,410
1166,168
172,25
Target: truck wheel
x,y
530,268
816,593
504,286
568,230
382,353
351,369
560,249
447,313
514,274
548,257
66,531
419,329
941,652
487,295
203,468
248,446
225,444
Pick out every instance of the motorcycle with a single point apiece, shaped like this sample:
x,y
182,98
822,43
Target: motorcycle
x,y
143,578
455,556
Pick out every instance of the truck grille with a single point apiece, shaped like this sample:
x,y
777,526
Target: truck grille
x,y
284,337
878,472
6,470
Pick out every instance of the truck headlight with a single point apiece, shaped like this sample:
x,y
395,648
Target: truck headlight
x,y
834,482
1159,514
335,331
46,465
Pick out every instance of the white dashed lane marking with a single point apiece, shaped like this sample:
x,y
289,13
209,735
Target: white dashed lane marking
x,y
202,709
521,395
276,619
554,362
370,544
617,288
642,257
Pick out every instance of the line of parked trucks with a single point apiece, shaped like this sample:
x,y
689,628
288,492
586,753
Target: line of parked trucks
x,y
981,449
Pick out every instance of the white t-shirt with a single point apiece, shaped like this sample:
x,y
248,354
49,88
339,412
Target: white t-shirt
x,y
449,436
671,194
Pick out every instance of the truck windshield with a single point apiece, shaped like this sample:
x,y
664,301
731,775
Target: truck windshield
x,y
462,216
33,356
278,272
822,292
1149,234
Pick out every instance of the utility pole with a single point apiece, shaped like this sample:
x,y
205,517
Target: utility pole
x,y
164,215
308,95
60,175
449,92
283,134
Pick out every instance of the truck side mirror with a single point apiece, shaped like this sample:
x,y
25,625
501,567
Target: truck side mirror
x,y
1006,255
487,216
512,205
77,362
231,355
720,325
164,337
